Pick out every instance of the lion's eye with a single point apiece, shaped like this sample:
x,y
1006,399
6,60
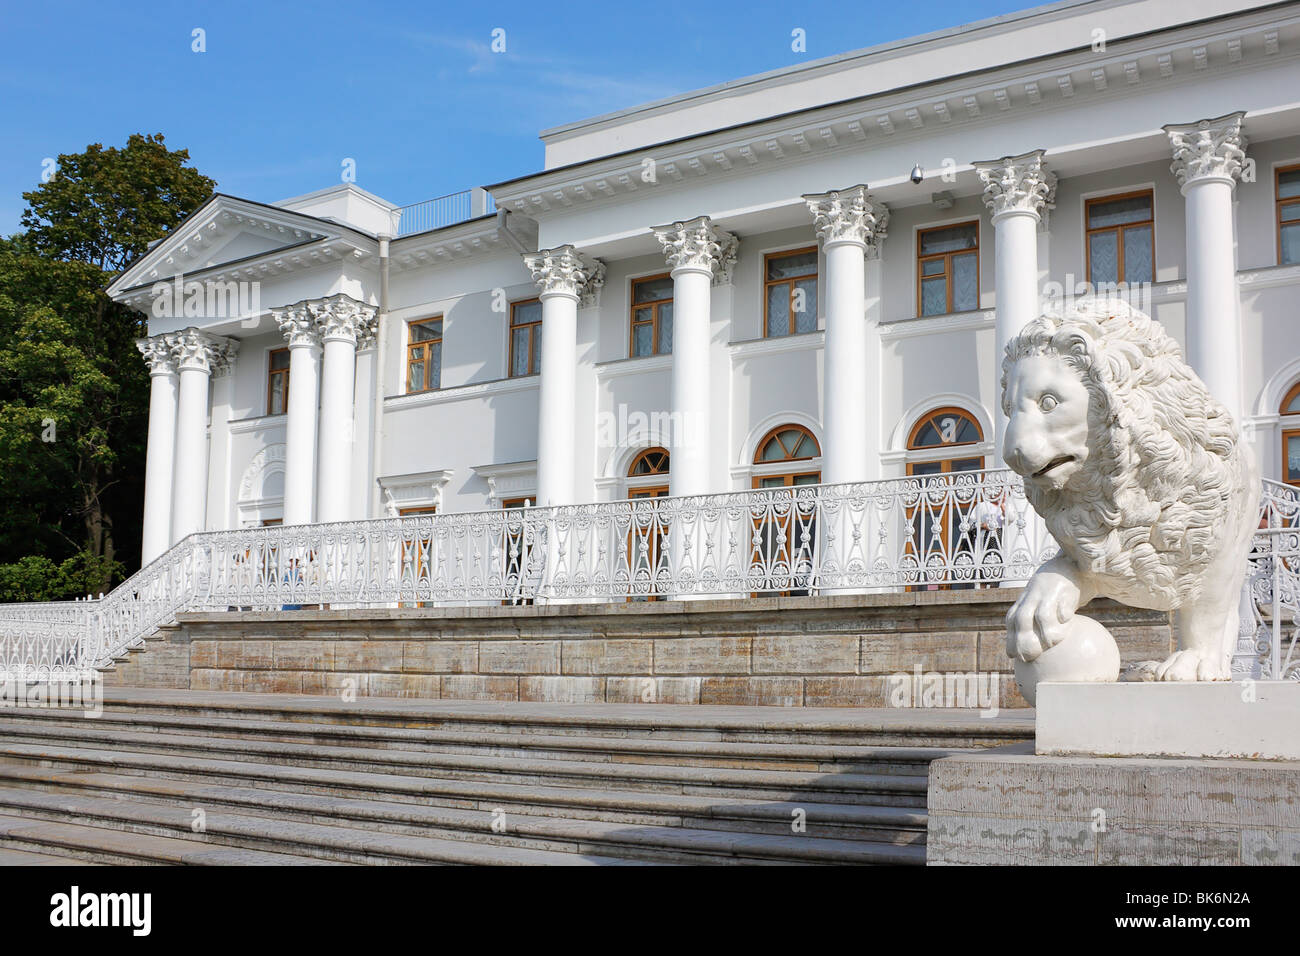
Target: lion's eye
x,y
1047,402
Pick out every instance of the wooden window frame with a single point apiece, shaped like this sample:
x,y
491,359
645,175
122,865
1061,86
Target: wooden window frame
x,y
1119,231
426,348
1288,433
947,265
534,340
645,453
1290,395
769,283
929,418
771,434
271,374
1279,203
654,306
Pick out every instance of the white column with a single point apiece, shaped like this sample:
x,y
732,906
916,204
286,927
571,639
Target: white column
x,y
160,454
1016,190
851,226
198,355
1209,158
303,335
563,277
699,255
345,325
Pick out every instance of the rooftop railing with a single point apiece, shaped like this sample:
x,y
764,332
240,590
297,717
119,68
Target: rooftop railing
x,y
444,211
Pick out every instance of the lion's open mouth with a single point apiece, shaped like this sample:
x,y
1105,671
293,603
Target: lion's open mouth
x,y
1053,465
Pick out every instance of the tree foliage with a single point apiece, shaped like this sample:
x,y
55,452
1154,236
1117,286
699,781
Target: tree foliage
x,y
73,389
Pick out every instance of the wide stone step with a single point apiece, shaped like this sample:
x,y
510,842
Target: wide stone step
x,y
28,858
779,784
54,836
140,806
267,834
52,724
798,725
839,821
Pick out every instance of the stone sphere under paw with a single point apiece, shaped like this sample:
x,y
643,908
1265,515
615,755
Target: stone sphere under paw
x,y
1087,653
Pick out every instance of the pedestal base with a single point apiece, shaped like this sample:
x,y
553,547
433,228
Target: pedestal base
x,y
1257,720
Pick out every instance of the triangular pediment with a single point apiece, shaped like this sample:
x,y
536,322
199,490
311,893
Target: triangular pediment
x,y
224,230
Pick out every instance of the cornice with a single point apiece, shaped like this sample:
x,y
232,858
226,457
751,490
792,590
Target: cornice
x,y
1058,81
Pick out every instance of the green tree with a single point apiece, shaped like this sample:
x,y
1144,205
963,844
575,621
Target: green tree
x,y
73,390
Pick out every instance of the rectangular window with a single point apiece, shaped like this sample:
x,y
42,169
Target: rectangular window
x,y
790,292
277,382
424,355
652,316
1291,457
1288,215
948,269
525,337
1120,234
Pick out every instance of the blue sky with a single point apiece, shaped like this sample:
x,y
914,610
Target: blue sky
x,y
411,91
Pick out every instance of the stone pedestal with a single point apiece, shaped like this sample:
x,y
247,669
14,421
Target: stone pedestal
x,y
1003,807
1244,719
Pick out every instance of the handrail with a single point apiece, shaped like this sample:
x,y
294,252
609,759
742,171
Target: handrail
x,y
957,530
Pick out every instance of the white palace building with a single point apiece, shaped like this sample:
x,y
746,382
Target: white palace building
x,y
801,277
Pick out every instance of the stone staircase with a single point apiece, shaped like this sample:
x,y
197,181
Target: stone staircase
x,y
168,777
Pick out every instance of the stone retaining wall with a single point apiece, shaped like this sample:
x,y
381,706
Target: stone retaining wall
x,y
818,652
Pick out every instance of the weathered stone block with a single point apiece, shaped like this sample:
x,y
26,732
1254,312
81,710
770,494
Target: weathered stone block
x,y
606,657
303,655
368,656
652,690
866,691
519,657
440,657
931,650
563,690
478,687
760,691
335,684
702,655
255,655
203,654
805,654
413,686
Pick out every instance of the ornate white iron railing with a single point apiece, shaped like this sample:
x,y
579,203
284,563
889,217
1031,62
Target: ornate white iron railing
x,y
960,530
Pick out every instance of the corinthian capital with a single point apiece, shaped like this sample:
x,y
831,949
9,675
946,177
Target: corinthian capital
x,y
195,349
343,318
565,271
698,244
1017,184
298,324
158,354
1208,149
849,215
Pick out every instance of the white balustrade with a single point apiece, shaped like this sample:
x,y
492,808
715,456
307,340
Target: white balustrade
x,y
923,532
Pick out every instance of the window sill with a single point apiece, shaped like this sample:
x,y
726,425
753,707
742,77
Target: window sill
x,y
799,342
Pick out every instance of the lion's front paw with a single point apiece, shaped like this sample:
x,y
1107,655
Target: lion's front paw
x,y
1191,665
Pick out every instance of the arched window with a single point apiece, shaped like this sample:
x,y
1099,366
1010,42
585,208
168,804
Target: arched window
x,y
652,461
937,432
1290,412
786,538
647,536
787,443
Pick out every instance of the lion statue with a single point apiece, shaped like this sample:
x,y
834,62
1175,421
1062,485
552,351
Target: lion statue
x,y
1140,475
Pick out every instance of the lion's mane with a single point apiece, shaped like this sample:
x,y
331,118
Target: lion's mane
x,y
1165,468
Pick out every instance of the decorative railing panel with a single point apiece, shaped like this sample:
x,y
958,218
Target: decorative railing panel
x,y
960,530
